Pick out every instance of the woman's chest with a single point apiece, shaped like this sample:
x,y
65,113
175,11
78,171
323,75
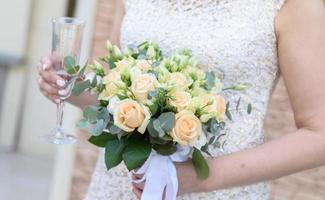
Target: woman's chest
x,y
223,35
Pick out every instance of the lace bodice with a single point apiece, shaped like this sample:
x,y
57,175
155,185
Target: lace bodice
x,y
235,38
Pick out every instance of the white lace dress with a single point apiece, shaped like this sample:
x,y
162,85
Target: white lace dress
x,y
236,38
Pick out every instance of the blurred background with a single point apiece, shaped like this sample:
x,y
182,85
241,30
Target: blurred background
x,y
30,169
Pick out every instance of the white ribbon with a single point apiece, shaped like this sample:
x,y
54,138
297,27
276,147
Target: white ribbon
x,y
159,172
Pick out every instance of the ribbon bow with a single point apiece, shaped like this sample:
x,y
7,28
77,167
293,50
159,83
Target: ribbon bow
x,y
159,172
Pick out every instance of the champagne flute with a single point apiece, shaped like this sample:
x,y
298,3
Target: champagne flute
x,y
66,43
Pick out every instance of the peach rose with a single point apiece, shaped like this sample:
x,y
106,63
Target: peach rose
x,y
142,85
187,128
220,107
180,100
214,103
129,115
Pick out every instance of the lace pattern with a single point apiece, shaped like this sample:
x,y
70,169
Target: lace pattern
x,y
235,38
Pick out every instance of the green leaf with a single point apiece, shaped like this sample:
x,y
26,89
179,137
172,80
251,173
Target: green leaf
x,y
111,62
113,153
153,108
97,129
94,82
136,153
80,87
238,104
167,121
200,164
102,139
228,114
165,149
249,108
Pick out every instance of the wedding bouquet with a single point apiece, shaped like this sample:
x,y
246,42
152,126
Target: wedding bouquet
x,y
154,110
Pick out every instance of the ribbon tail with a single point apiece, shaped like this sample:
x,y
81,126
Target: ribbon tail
x,y
172,185
156,178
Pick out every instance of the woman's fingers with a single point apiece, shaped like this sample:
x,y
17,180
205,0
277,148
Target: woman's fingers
x,y
54,98
137,192
139,185
52,78
50,61
45,86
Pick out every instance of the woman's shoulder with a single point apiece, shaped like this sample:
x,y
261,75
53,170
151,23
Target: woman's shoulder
x,y
300,14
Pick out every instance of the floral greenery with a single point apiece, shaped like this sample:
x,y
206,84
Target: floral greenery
x,y
145,101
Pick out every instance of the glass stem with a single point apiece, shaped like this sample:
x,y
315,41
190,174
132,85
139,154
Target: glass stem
x,y
60,107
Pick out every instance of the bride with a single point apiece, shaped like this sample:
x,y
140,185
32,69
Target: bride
x,y
246,41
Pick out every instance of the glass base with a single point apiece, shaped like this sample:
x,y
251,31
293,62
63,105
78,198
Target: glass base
x,y
58,136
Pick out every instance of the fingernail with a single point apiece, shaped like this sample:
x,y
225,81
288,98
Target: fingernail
x,y
45,66
63,92
60,82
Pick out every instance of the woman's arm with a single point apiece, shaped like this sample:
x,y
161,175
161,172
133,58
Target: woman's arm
x,y
301,44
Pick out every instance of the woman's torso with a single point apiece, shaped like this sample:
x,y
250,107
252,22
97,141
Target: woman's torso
x,y
235,38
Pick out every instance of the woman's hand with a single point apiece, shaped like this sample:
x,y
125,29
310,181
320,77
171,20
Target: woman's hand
x,y
137,187
50,84
187,180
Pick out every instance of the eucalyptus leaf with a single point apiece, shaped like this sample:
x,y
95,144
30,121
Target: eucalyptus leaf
x,y
90,113
200,164
70,65
82,70
152,131
97,128
80,87
115,130
69,61
210,80
158,127
82,124
167,121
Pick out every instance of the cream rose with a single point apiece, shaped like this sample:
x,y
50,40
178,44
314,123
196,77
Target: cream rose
x,y
187,128
122,65
180,100
143,65
130,115
142,85
111,81
180,80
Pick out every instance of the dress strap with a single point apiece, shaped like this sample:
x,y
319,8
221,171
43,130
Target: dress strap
x,y
279,4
